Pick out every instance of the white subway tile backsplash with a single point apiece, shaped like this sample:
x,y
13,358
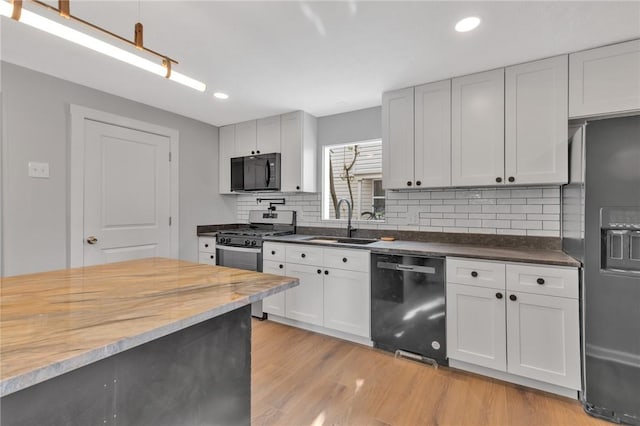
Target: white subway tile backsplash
x,y
533,211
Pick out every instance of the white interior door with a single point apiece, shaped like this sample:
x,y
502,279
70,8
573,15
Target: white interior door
x,y
127,194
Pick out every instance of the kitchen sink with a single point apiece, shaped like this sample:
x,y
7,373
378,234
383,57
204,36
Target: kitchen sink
x,y
340,240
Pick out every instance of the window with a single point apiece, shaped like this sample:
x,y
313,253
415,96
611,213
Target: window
x,y
353,172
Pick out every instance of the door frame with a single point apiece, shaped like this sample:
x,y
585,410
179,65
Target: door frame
x,y
78,115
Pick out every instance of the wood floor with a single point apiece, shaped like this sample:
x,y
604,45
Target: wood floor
x,y
302,378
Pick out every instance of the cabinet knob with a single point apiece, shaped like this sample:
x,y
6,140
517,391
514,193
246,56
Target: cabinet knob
x,y
408,183
344,259
206,245
319,271
252,152
281,266
513,297
303,255
512,179
326,272
474,274
540,281
273,252
257,152
211,257
298,187
498,179
498,295
418,183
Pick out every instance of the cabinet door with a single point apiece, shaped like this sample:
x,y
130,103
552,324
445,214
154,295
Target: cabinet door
x,y
245,138
433,135
536,115
543,338
208,258
397,139
268,135
477,129
605,80
226,150
476,326
305,302
274,304
347,302
291,126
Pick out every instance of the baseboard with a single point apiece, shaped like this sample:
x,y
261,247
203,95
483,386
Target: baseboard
x,y
322,330
524,381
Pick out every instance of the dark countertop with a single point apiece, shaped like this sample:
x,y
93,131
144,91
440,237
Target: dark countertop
x,y
508,254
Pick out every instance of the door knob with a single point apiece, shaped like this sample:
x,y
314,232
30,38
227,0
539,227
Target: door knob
x,y
92,240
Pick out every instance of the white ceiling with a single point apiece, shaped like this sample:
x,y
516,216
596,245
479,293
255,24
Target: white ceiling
x,y
321,57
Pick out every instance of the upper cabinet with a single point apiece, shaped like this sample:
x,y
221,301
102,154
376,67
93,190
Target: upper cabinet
x,y
536,116
246,137
268,135
416,136
605,80
397,139
477,120
298,138
227,140
432,123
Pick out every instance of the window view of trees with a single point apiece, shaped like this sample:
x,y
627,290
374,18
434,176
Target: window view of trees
x,y
354,172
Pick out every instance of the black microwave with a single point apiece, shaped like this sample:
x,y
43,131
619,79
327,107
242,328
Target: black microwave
x,y
256,173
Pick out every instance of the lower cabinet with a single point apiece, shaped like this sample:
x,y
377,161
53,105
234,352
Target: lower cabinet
x,y
334,290
207,250
533,334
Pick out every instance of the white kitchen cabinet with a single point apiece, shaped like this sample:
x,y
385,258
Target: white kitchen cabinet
x,y
207,250
397,139
274,304
226,150
475,325
246,138
432,112
305,302
268,135
347,302
477,129
298,139
605,80
543,338
536,115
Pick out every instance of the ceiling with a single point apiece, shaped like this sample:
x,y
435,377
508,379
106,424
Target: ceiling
x,y
321,57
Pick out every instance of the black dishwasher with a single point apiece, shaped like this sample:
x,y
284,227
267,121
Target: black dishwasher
x,y
408,305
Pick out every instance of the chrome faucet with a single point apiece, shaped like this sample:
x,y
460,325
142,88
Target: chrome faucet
x,y
350,212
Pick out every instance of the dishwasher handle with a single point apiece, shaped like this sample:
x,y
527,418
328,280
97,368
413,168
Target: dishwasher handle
x,y
408,268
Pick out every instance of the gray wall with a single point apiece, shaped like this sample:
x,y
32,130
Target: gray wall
x,y
35,211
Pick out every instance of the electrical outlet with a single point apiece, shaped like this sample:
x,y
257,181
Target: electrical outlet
x,y
413,216
38,170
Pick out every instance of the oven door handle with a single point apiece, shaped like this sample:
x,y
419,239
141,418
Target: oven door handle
x,y
240,249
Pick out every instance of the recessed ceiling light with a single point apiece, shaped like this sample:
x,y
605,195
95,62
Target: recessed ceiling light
x,y
221,95
467,24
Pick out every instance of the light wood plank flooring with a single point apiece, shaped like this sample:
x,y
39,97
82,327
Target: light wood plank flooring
x,y
303,378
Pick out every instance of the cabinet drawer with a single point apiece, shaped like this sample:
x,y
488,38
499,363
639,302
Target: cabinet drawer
x,y
542,279
207,244
350,260
476,273
271,267
273,251
304,255
208,258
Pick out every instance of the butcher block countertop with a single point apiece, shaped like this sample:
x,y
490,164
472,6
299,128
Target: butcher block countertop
x,y
55,322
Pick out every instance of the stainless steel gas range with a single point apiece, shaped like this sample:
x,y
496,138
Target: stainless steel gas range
x,y
242,247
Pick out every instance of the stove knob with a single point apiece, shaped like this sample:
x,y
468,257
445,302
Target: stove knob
x,y
253,243
247,242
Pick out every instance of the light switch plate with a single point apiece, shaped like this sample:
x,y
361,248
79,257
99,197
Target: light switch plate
x,y
38,170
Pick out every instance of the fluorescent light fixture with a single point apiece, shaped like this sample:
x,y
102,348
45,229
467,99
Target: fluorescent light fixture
x,y
36,21
221,95
467,24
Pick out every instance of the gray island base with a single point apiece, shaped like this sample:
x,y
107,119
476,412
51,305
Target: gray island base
x,y
200,375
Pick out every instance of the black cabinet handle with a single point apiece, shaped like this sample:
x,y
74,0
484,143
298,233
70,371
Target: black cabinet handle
x,y
273,252
344,259
206,245
281,266
257,152
303,255
498,179
326,272
252,152
474,274
409,183
499,295
211,257
513,297
298,187
418,183
540,281
319,271
512,179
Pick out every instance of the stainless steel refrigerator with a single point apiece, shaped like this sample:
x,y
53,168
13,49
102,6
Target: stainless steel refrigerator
x,y
601,227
